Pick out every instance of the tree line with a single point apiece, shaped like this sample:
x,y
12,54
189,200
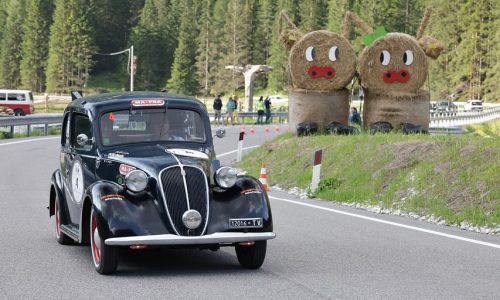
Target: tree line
x,y
184,45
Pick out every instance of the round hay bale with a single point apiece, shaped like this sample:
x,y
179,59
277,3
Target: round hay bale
x,y
396,108
324,68
432,47
321,107
386,58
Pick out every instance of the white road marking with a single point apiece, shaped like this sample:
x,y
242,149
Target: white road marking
x,y
234,151
451,236
28,141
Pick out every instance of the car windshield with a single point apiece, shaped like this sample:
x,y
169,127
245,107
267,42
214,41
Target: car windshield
x,y
151,125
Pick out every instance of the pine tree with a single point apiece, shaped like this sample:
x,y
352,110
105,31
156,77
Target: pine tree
x,y
110,21
204,61
217,48
35,45
278,77
184,77
3,17
263,37
313,15
70,58
336,12
10,48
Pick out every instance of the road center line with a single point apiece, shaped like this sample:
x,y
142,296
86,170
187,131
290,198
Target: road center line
x,y
29,141
451,236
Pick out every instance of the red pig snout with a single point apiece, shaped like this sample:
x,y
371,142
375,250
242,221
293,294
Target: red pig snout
x,y
317,72
401,76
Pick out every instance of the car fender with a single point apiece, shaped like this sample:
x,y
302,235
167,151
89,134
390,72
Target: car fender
x,y
120,213
246,199
56,189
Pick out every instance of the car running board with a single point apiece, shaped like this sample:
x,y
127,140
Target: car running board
x,y
71,231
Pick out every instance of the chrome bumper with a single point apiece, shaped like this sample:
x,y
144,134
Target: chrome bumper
x,y
171,239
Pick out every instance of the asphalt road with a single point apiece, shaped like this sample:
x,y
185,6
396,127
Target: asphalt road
x,y
322,250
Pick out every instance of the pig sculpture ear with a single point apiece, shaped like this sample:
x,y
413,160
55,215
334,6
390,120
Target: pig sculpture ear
x,y
289,33
431,46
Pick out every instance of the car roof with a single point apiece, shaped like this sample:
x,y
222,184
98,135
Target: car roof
x,y
121,100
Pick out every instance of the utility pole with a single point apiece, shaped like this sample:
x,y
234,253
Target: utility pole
x,y
133,67
131,64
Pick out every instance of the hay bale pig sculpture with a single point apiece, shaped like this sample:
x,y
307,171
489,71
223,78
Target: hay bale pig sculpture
x,y
321,64
393,70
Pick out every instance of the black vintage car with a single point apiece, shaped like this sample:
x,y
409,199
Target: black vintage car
x,y
138,170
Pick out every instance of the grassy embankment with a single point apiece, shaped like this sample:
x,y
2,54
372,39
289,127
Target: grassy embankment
x,y
455,177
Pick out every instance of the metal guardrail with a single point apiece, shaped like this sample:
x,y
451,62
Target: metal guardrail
x,y
448,120
461,118
30,121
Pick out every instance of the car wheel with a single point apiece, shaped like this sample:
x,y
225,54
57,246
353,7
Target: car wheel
x,y
104,257
61,237
252,257
18,112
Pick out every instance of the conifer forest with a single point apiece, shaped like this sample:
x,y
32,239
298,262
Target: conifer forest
x,y
184,45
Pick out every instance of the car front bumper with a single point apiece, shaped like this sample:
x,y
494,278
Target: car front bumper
x,y
171,239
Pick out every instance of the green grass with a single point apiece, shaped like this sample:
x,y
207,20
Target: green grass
x,y
454,177
488,129
113,81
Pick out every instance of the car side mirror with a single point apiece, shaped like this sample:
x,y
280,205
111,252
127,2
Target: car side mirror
x,y
220,133
82,139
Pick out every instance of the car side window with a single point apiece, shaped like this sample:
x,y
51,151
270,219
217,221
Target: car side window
x,y
81,125
65,133
3,96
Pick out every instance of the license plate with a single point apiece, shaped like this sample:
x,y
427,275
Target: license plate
x,y
246,223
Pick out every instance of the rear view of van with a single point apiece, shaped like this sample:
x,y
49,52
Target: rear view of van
x,y
20,101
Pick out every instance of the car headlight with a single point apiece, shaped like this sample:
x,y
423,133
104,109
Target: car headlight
x,y
226,177
136,181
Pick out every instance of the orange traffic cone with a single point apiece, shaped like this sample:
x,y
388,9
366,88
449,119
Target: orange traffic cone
x,y
242,128
277,129
266,130
252,131
263,177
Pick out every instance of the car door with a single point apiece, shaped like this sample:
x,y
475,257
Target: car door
x,y
79,161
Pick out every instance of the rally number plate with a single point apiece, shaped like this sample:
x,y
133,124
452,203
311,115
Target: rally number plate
x,y
246,223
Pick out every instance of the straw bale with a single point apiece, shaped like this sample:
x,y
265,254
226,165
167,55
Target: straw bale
x,y
424,22
396,108
372,71
431,46
322,41
319,107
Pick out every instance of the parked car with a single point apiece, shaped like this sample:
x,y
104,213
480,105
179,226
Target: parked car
x,y
446,106
139,170
473,105
20,101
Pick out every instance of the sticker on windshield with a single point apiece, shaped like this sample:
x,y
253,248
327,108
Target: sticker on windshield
x,y
141,103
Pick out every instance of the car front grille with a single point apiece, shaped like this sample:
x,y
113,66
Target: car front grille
x,y
175,196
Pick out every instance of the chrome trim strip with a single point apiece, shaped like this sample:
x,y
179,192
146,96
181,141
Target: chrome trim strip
x,y
183,174
171,239
185,186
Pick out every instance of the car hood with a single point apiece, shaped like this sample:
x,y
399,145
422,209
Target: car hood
x,y
152,159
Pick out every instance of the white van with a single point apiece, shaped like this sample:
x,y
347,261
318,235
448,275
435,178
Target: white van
x,y
20,101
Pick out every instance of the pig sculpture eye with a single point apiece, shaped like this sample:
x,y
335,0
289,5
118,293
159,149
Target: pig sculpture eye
x,y
385,57
310,53
333,54
408,57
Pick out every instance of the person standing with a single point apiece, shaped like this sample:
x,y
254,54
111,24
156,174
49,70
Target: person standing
x,y
217,110
260,110
354,117
236,110
267,106
230,110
